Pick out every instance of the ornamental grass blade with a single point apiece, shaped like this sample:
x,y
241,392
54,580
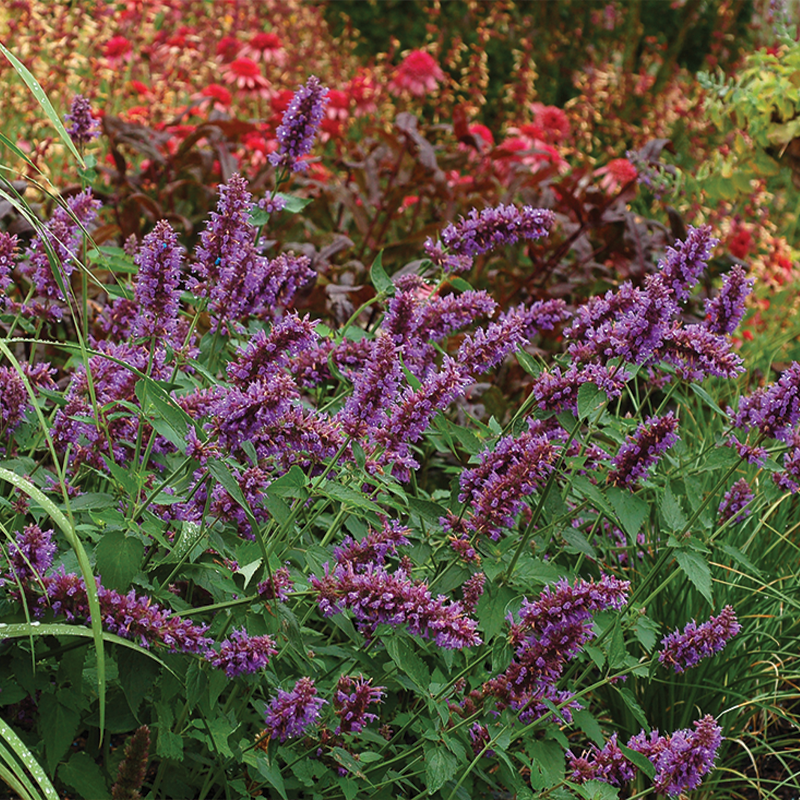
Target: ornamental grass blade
x,y
18,749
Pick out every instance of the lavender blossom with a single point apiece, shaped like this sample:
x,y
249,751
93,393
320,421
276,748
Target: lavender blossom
x,y
685,650
64,234
376,596
299,126
483,231
272,204
8,260
266,353
157,284
448,262
683,759
640,451
608,765
373,548
487,348
773,410
542,315
277,587
697,353
279,279
555,391
241,654
789,478
32,553
14,401
351,699
290,714
374,390
735,503
472,591
683,264
84,125
725,311
442,316
480,738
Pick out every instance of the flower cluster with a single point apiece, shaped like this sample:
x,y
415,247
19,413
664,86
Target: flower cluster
x,y
290,714
300,122
84,126
735,503
241,654
351,699
684,650
641,450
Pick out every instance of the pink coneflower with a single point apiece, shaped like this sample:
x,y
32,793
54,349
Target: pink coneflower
x,y
482,135
213,95
228,47
118,49
267,47
418,74
616,174
246,74
552,122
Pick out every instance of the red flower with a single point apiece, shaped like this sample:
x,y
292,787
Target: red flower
x,y
552,121
228,47
218,93
418,74
364,91
616,174
118,48
267,47
740,243
246,74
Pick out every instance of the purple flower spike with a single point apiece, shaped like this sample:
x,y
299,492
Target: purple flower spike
x,y
773,410
277,587
352,698
734,503
290,714
157,284
33,552
8,260
299,126
608,765
241,654
685,650
684,264
373,548
640,451
725,311
84,125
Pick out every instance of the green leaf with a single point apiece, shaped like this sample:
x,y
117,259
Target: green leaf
x,y
616,647
596,790
378,277
585,488
83,775
44,102
427,510
347,496
460,284
440,767
491,609
639,760
293,204
631,510
58,724
271,773
528,363
407,661
19,750
707,398
738,556
137,675
590,400
671,510
119,558
348,762
589,725
697,570
548,756
169,745
292,484
646,632
573,537
630,701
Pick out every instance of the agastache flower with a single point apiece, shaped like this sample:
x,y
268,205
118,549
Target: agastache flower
x,y
640,451
241,654
84,126
487,348
157,283
376,596
735,503
276,587
300,123
773,410
608,765
472,591
8,260
351,699
685,262
373,548
290,714
14,400
725,311
697,353
686,649
32,553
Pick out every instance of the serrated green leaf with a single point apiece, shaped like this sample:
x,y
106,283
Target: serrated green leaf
x,y
586,489
169,745
118,559
639,760
590,400
58,724
82,774
440,767
646,632
491,609
294,205
528,363
347,496
631,510
348,762
706,398
459,283
401,652
671,510
292,484
630,701
585,720
697,570
573,537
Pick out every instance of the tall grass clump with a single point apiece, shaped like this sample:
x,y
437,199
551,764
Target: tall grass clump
x,y
249,553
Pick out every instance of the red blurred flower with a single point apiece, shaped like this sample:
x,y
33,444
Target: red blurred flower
x,y
552,121
142,89
337,113
616,174
117,49
364,91
228,47
418,74
246,74
740,243
267,47
482,135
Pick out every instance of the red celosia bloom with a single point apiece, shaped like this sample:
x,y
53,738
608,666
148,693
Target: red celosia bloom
x,y
552,121
118,48
616,174
246,74
418,74
267,47
228,47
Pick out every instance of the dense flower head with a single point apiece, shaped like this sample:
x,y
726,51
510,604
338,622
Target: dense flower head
x,y
84,126
351,699
789,478
276,587
159,260
643,449
479,738
608,765
472,591
556,391
373,548
300,123
8,259
14,400
686,649
725,311
241,654
31,553
290,714
686,261
773,410
418,73
487,347
483,231
375,596
735,502
697,352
